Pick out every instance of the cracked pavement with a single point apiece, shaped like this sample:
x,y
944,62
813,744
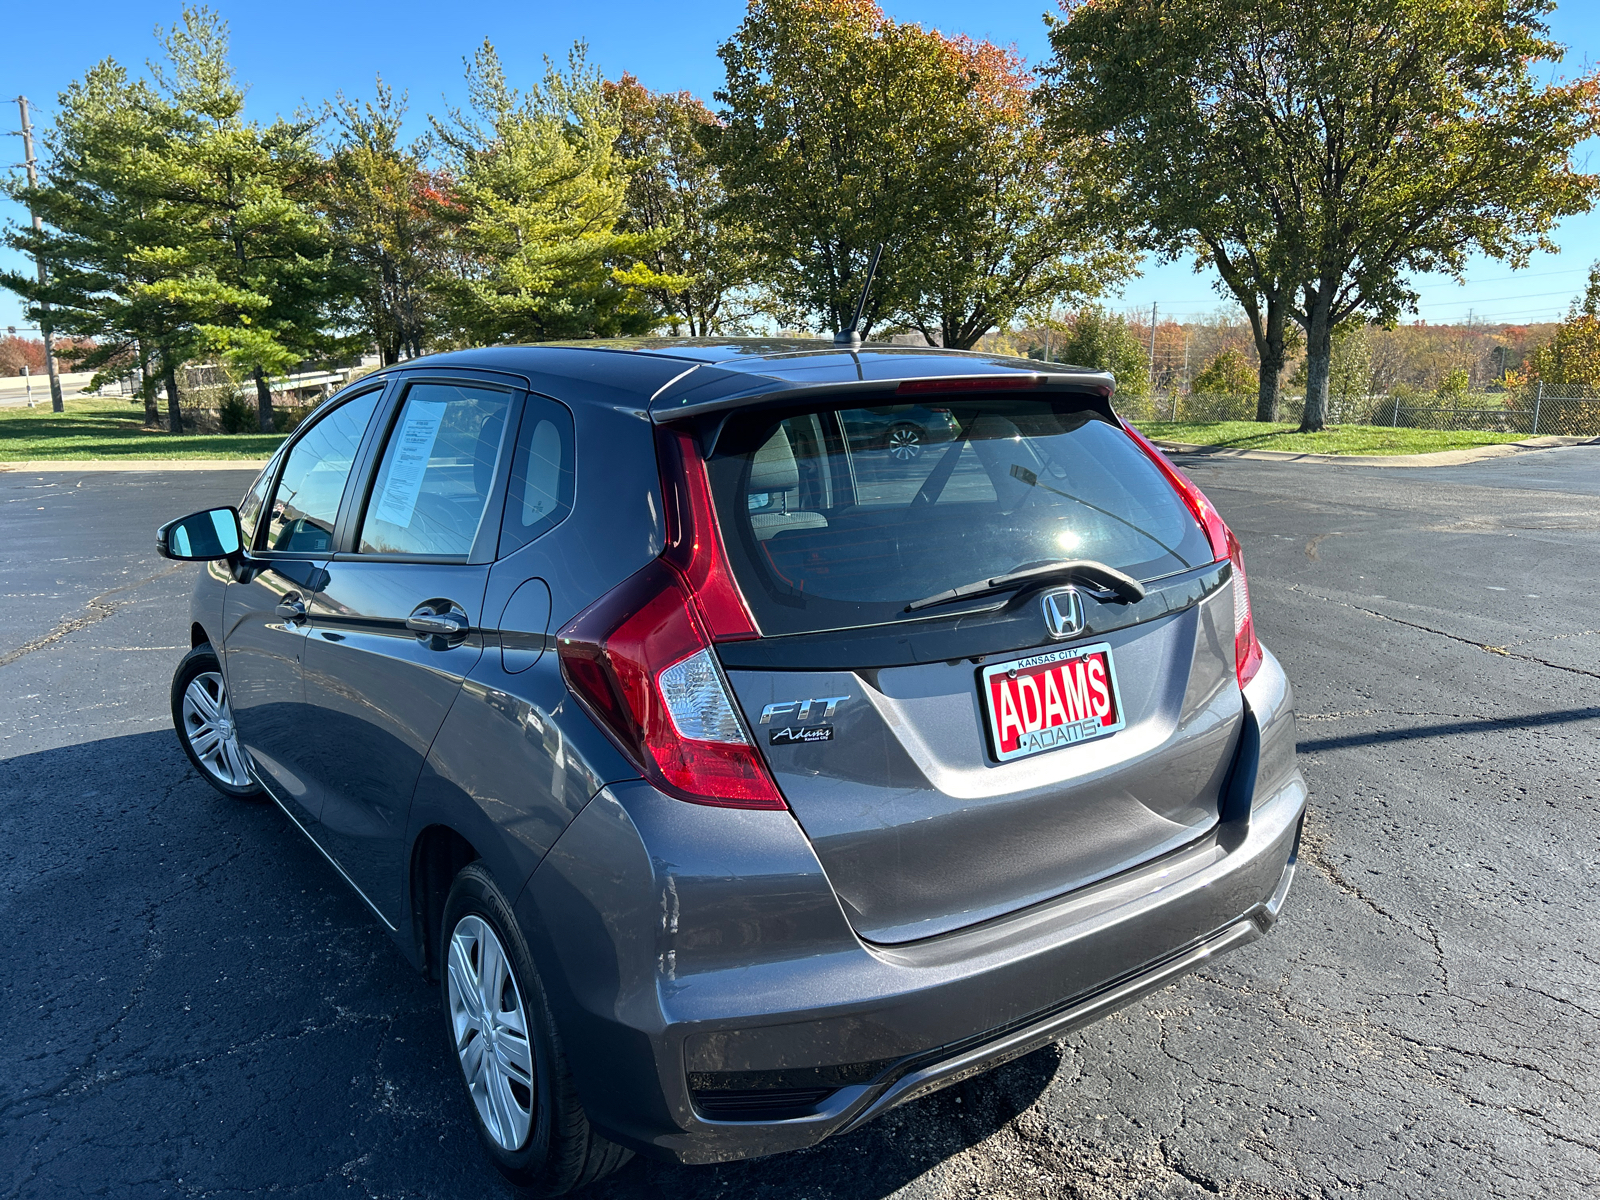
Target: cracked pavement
x,y
195,1004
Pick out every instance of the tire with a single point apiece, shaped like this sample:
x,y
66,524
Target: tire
x,y
531,1125
904,442
204,723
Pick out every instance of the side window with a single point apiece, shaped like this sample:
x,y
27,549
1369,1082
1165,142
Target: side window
x,y
437,471
250,507
307,499
541,474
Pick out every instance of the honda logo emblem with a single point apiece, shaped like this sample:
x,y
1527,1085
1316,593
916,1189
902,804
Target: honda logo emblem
x,y
1063,613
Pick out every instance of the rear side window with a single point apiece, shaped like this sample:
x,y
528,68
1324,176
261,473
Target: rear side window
x,y
839,518
307,498
540,496
437,471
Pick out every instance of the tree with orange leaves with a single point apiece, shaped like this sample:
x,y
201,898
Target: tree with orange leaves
x,y
675,194
383,205
842,129
1031,220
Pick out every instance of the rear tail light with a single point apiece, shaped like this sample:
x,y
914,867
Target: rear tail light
x,y
1246,647
640,658
694,543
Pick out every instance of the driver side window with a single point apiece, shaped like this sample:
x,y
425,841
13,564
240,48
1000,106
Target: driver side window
x,y
306,501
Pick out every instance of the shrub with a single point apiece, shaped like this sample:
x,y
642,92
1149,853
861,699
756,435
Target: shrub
x,y
1227,374
236,414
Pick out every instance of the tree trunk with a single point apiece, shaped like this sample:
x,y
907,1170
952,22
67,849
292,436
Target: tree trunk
x,y
1269,346
147,390
174,415
264,403
1319,359
1250,291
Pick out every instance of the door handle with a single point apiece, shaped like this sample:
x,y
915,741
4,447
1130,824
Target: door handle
x,y
447,624
440,624
292,607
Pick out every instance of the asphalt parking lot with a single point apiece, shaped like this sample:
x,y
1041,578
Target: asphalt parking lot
x,y
194,1004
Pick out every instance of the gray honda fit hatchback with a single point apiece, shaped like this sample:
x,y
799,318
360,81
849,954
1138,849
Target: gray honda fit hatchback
x,y
736,777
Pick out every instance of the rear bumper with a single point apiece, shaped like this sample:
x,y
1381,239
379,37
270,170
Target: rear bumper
x,y
697,954
952,1065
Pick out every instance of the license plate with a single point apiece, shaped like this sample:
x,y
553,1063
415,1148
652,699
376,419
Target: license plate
x,y
1049,700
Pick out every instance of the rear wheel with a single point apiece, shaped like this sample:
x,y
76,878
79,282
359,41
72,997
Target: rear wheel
x,y
204,721
505,1041
904,442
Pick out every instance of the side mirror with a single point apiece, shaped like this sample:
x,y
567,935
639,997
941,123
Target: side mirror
x,y
201,537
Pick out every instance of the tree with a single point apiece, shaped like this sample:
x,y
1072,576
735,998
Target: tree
x,y
1319,154
249,192
675,195
175,229
1572,357
1588,304
1026,221
537,193
1226,374
843,129
1349,367
1102,341
384,207
117,251
830,115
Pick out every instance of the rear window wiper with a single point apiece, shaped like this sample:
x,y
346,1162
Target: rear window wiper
x,y
1126,587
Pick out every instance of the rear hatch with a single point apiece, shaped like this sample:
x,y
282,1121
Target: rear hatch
x,y
955,759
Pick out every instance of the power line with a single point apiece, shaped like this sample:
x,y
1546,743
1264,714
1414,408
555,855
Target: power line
x,y
1524,296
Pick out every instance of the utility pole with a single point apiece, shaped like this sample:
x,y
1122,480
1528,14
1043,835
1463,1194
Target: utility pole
x,y
1152,346
44,305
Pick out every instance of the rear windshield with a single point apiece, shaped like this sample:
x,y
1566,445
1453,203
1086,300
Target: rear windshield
x,y
837,518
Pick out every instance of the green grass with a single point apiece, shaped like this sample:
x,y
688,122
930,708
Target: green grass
x,y
95,428
1340,439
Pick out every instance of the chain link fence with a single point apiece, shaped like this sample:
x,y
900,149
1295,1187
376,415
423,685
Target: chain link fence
x,y
1533,410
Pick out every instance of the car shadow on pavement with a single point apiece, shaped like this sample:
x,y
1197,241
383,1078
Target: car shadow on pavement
x,y
189,979
1449,729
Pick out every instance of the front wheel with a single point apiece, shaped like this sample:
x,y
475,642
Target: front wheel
x,y
204,721
505,1041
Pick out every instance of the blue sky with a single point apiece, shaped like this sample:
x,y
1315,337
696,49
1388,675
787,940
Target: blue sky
x,y
292,50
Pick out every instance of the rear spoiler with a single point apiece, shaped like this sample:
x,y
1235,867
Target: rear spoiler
x,y
706,395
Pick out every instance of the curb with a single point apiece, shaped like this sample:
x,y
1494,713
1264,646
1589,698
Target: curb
x,y
29,467
1437,458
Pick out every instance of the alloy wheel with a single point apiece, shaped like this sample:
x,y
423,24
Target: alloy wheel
x,y
208,724
905,442
490,1026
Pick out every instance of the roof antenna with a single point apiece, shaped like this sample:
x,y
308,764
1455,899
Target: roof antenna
x,y
850,335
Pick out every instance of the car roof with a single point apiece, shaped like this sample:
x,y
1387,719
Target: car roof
x,y
674,377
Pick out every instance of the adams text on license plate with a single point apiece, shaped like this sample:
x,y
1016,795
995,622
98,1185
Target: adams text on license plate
x,y
1051,699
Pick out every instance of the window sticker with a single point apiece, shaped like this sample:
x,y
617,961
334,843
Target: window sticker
x,y
413,448
542,495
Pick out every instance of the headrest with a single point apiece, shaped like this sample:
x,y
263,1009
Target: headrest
x,y
773,469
